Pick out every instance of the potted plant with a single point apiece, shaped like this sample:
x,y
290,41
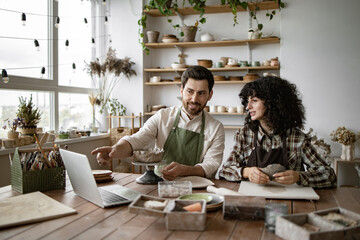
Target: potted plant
x,y
105,76
116,108
12,127
253,6
347,138
29,114
167,9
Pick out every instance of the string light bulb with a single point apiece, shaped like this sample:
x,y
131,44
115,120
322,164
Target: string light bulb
x,y
42,72
106,20
23,19
57,22
104,2
5,77
93,42
67,44
74,67
37,45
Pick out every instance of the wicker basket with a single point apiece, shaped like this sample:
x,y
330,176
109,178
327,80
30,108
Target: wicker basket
x,y
37,180
118,133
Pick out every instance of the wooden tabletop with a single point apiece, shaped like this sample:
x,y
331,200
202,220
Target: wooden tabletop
x,y
93,222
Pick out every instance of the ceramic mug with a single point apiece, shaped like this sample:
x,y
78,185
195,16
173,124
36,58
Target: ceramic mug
x,y
240,109
255,64
221,109
219,64
212,108
232,61
231,109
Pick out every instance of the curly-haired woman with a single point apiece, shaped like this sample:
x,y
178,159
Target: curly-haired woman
x,y
272,135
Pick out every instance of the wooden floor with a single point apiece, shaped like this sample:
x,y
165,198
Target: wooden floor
x,y
93,222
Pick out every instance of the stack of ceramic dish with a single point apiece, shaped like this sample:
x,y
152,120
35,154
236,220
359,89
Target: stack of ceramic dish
x,y
219,78
235,78
205,63
251,76
102,175
178,65
169,38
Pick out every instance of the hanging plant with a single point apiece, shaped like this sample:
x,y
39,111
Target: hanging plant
x,y
169,8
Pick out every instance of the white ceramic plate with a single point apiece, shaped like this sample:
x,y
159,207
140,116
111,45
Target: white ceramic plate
x,y
196,181
101,172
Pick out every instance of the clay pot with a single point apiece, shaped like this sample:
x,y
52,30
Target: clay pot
x,y
189,33
152,36
28,130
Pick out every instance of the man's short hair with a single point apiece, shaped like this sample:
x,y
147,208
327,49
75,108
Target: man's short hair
x,y
197,73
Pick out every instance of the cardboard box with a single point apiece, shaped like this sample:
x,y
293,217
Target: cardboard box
x,y
313,226
176,218
244,207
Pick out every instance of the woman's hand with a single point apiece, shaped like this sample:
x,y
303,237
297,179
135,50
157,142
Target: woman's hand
x,y
288,177
255,175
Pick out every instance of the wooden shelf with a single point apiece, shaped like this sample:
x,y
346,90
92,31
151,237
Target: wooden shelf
x,y
212,113
268,5
232,69
178,83
227,43
232,127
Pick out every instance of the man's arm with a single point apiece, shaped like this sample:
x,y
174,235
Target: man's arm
x,y
122,149
174,170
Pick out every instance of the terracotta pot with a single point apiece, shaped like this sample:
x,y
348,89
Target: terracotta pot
x,y
189,33
28,130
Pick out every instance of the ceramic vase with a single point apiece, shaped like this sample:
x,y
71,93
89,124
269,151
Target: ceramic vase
x,y
189,33
347,152
152,36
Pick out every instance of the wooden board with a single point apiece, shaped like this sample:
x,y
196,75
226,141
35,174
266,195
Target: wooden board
x,y
29,208
274,190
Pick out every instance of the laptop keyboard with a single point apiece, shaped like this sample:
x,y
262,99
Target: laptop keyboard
x,y
110,198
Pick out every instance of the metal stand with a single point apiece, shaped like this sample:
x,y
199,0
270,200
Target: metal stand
x,y
149,177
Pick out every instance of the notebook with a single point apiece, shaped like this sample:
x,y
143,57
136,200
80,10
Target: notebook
x,y
83,182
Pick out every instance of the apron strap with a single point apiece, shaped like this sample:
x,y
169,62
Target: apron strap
x,y
201,138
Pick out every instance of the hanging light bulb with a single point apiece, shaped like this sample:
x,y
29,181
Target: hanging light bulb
x,y
42,72
23,19
104,2
74,67
57,22
93,42
37,45
106,20
67,44
5,77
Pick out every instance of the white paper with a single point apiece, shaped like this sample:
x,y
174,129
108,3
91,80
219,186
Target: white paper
x,y
275,190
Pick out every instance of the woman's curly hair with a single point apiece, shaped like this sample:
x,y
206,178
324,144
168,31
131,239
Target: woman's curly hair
x,y
284,108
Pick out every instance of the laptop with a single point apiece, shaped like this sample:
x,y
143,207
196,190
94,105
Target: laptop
x,y
83,182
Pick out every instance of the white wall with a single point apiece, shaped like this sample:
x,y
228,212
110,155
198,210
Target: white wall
x,y
318,51
320,54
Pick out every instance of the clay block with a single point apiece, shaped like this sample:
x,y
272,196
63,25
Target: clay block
x,y
244,208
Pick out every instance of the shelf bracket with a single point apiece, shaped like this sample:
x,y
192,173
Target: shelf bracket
x,y
249,52
181,50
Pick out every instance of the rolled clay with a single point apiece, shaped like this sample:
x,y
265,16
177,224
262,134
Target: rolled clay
x,y
271,169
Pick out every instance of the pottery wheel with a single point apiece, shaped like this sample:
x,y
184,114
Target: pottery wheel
x,y
149,177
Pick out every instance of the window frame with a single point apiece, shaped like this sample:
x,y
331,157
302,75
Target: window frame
x,y
52,84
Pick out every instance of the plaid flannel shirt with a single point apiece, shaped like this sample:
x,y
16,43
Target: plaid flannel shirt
x,y
300,152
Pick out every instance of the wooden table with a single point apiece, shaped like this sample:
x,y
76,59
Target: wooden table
x,y
93,222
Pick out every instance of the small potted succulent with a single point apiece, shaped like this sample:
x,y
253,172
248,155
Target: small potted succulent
x,y
29,114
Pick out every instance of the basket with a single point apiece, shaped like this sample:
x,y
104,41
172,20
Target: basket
x,y
118,133
37,180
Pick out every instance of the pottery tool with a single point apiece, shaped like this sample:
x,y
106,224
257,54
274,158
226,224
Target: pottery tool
x,y
42,151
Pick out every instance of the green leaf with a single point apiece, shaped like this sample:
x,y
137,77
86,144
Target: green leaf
x,y
260,26
244,5
181,34
169,20
271,17
203,20
222,2
273,12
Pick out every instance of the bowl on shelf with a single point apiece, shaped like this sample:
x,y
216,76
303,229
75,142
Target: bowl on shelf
x,y
155,79
219,78
251,77
178,65
205,63
169,38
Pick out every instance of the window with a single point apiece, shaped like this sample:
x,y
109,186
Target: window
x,y
62,92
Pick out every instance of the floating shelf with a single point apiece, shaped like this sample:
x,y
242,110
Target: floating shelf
x,y
212,113
227,43
233,127
268,5
178,83
232,69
